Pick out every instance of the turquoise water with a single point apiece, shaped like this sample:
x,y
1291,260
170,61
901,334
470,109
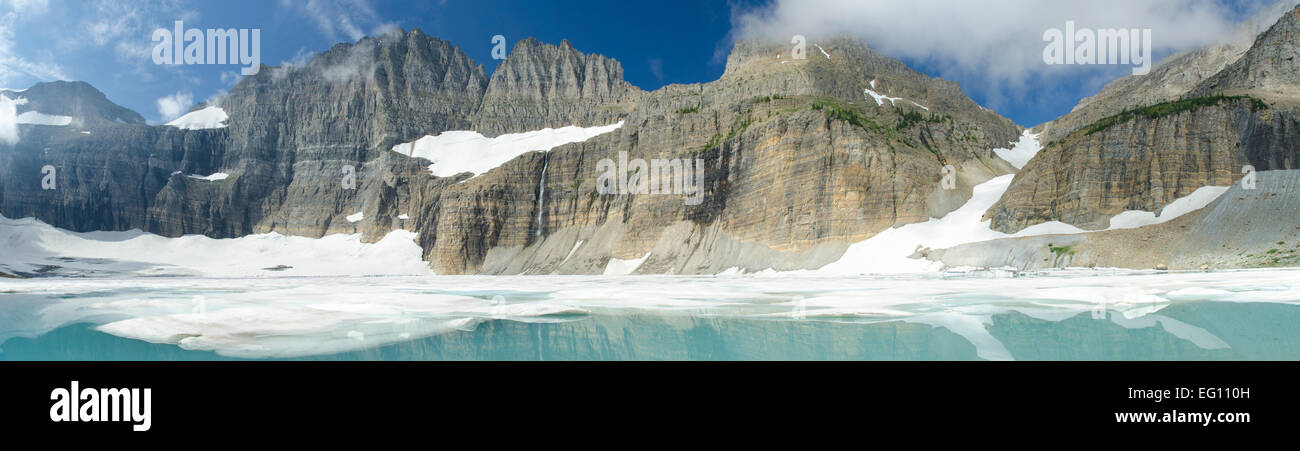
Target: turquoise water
x,y
1252,315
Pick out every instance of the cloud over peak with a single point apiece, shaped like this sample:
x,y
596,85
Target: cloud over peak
x,y
998,42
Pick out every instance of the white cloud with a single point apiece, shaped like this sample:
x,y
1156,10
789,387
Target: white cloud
x,y
26,6
997,41
112,21
341,20
216,99
8,121
229,78
657,69
299,59
385,29
14,67
357,63
175,105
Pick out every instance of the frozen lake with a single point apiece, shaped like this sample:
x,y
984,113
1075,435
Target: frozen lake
x,y
992,315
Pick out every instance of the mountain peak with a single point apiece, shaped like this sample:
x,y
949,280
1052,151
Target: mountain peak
x,y
542,85
1269,69
76,99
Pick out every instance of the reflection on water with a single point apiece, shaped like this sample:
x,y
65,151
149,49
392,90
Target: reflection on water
x,y
1253,315
1251,331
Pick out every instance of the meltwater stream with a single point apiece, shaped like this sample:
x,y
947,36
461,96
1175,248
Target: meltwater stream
x,y
992,315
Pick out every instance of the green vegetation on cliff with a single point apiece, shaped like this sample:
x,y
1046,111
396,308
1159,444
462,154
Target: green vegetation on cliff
x,y
1160,110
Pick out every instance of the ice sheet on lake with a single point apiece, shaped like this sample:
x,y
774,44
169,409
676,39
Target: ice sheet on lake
x,y
35,247
294,317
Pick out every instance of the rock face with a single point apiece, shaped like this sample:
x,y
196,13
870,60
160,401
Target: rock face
x,y
290,134
294,131
1168,81
1243,228
1269,69
1144,158
543,86
1144,164
799,159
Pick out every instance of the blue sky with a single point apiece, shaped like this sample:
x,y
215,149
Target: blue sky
x,y
993,50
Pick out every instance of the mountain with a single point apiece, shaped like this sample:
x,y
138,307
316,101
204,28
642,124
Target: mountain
x,y
801,158
540,86
1144,158
78,100
1243,228
1269,69
799,161
1169,80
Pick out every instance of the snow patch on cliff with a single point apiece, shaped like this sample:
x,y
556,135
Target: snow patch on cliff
x,y
618,267
1023,150
34,118
211,178
890,251
207,118
1197,200
454,152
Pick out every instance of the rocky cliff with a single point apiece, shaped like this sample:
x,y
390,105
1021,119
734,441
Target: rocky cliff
x,y
1269,69
800,158
540,86
1169,80
1144,158
799,162
1243,228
